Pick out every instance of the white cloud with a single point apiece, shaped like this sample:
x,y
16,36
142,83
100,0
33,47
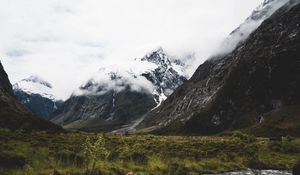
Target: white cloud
x,y
66,41
118,77
261,13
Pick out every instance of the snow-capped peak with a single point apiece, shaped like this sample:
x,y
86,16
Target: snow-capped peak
x,y
161,59
156,73
157,56
36,85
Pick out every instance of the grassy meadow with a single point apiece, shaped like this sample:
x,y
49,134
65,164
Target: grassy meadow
x,y
75,153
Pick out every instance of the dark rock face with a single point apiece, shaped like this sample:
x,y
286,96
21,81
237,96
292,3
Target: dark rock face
x,y
103,112
13,115
37,104
116,103
4,81
164,77
240,89
37,95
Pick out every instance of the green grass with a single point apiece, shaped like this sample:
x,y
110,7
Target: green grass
x,y
42,153
281,122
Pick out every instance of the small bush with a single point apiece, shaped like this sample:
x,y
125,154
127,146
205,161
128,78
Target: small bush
x,y
139,158
244,137
274,145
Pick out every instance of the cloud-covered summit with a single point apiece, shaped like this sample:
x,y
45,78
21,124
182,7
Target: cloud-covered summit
x,y
156,73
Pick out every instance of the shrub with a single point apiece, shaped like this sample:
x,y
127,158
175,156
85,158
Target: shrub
x,y
93,151
289,146
243,137
177,169
274,145
139,158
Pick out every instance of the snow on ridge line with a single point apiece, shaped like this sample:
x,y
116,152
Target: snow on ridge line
x,y
32,85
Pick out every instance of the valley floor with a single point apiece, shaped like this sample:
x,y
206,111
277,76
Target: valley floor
x,y
72,153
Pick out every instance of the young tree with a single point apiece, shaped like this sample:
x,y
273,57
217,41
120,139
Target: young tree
x,y
93,151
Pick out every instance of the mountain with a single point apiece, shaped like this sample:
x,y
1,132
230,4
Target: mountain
x,y
118,97
14,115
254,88
37,95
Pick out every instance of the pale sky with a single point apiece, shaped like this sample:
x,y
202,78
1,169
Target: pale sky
x,y
67,41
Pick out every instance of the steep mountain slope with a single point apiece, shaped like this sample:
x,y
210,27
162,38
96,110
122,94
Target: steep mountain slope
x,y
256,86
37,95
13,115
118,97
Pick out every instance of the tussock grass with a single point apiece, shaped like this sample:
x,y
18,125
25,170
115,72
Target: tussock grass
x,y
42,153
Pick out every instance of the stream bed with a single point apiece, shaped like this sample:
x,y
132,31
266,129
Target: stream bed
x,y
257,172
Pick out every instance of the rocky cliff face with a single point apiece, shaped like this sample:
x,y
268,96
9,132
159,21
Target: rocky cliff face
x,y
15,116
166,77
37,95
5,85
256,86
119,97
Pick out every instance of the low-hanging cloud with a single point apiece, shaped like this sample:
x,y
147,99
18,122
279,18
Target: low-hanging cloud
x,y
118,78
66,41
262,12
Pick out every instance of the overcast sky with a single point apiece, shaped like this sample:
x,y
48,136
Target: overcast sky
x,y
67,41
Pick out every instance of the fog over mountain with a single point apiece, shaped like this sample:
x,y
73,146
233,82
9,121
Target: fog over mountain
x,y
262,12
139,74
63,39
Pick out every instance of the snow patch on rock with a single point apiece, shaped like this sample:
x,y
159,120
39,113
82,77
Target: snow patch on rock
x,y
36,85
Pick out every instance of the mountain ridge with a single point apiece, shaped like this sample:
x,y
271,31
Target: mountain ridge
x,y
119,96
238,89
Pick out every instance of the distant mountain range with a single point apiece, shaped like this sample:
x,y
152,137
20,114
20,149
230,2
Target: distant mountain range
x,y
37,95
119,97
